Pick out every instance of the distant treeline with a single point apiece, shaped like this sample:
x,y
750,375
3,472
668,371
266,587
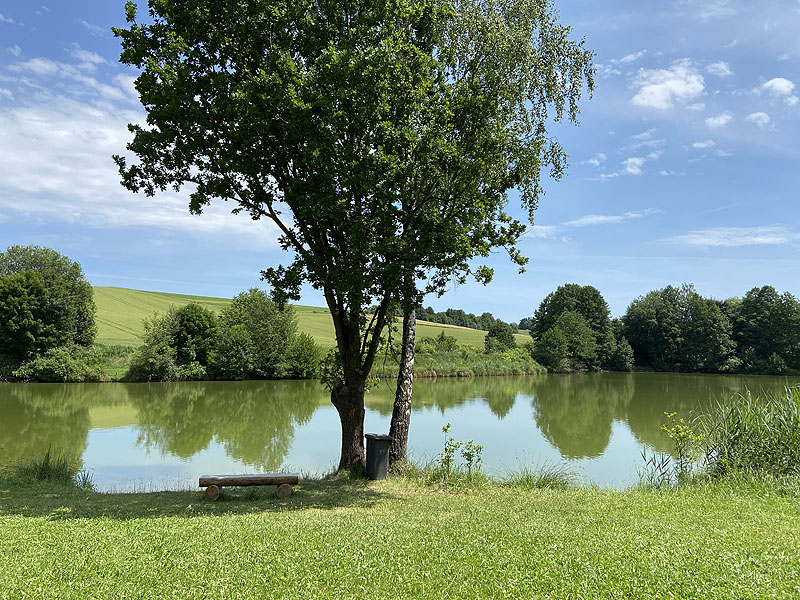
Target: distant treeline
x,y
671,329
460,318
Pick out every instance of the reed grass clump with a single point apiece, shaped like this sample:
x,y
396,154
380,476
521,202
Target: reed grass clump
x,y
755,434
52,468
546,476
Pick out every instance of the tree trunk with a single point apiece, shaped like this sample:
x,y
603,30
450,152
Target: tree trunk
x,y
401,412
350,406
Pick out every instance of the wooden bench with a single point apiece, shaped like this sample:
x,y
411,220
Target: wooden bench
x,y
213,483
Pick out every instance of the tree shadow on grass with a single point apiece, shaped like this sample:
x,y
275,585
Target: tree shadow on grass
x,y
58,502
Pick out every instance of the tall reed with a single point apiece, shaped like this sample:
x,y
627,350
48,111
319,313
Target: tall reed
x,y
759,435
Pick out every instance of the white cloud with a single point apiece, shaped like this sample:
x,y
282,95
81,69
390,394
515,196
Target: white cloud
x,y
14,50
722,153
778,86
55,161
633,165
542,231
86,58
791,100
4,93
645,135
783,57
663,88
4,19
729,237
706,10
596,159
720,120
83,83
759,118
704,144
696,106
629,58
720,69
610,219
95,30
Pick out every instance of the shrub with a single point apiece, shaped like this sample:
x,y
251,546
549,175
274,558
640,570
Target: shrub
x,y
304,357
499,338
59,365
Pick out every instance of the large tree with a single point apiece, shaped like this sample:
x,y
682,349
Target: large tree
x,y
380,136
70,299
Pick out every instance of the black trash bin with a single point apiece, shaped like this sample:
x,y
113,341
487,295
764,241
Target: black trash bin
x,y
377,455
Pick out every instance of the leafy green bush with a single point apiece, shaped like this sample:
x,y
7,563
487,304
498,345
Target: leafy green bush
x,y
499,338
176,345
304,357
58,365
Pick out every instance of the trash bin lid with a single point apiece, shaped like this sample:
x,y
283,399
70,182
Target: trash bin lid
x,y
378,436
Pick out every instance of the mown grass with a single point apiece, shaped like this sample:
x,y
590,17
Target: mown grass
x,y
120,313
350,538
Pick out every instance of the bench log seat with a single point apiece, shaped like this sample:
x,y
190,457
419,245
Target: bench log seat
x,y
284,481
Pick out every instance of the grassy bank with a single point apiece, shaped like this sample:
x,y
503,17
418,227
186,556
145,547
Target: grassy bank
x,y
344,538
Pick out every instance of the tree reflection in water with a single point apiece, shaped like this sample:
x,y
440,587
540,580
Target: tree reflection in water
x,y
253,420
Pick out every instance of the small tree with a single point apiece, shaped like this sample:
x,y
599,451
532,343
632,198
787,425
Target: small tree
x,y
500,337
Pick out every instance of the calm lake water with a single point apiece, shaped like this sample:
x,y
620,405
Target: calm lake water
x,y
163,436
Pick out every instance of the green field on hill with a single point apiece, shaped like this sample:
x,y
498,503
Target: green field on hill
x,y
120,313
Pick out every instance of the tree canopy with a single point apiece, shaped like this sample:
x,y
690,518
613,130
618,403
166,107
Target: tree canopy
x,y
380,136
70,302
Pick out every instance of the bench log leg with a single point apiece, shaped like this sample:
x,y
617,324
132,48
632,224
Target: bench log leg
x,y
283,490
212,492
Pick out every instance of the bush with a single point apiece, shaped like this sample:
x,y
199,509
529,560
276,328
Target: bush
x,y
176,345
304,357
499,338
59,365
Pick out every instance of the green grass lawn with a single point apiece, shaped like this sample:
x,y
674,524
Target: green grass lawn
x,y
346,538
120,313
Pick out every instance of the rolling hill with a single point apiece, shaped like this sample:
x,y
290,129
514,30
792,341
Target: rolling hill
x,y
120,312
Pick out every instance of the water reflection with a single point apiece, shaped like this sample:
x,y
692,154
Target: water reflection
x,y
575,413
253,421
263,425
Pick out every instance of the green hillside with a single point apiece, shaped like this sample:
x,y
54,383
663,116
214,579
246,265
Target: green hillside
x,y
120,313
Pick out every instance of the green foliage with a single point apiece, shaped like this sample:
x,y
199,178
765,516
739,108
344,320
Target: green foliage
x,y
441,343
70,305
551,349
304,357
59,365
256,339
159,358
27,326
766,328
582,315
688,445
757,435
381,141
499,338
569,345
447,471
193,337
677,329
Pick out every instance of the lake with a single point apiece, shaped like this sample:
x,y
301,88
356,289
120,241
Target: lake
x,y
156,436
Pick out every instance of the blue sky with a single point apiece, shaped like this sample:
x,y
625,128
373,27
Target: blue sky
x,y
685,166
